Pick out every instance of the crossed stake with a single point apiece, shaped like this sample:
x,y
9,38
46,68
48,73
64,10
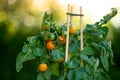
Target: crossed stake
x,y
69,19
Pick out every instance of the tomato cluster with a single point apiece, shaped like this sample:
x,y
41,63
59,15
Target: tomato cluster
x,y
54,38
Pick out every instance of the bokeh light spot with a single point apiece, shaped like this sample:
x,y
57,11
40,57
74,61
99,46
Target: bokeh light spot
x,y
29,20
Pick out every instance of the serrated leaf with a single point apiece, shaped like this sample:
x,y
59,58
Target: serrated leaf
x,y
96,45
58,54
71,75
74,46
47,74
88,50
96,64
29,52
86,59
40,76
38,51
108,17
73,63
99,76
25,48
104,31
111,53
21,58
104,59
34,41
89,69
113,12
88,28
106,76
78,74
107,45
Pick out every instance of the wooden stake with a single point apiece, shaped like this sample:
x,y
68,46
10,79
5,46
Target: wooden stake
x,y
71,9
67,36
81,30
70,24
81,35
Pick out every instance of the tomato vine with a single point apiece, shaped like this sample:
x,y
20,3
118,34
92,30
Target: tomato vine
x,y
96,55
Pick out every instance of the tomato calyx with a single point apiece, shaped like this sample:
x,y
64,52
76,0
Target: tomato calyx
x,y
61,40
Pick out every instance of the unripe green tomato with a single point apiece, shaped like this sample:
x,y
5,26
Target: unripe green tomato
x,y
100,36
51,36
64,33
46,26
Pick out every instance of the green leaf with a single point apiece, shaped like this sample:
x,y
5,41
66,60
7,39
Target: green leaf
x,y
105,19
100,33
73,63
25,48
106,76
96,45
113,12
29,52
96,64
74,46
88,28
89,69
107,45
111,53
108,17
34,41
61,77
104,58
86,59
99,76
58,54
71,74
47,74
88,50
38,51
40,76
21,58
104,31
48,19
78,74
55,69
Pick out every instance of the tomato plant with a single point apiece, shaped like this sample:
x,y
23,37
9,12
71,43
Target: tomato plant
x,y
96,55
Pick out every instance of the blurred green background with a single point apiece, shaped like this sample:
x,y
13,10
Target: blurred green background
x,y
21,18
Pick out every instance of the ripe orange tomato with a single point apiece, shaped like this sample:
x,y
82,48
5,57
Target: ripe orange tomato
x,y
42,67
73,30
50,45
